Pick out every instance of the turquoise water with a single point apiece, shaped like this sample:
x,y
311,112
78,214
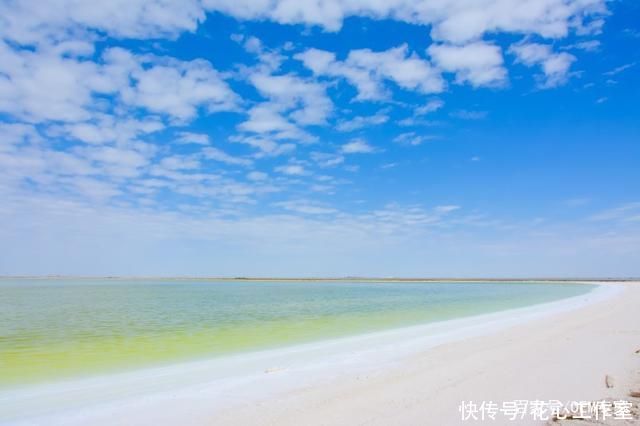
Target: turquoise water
x,y
54,329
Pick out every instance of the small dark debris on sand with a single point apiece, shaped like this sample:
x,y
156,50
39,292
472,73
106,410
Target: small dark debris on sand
x,y
608,381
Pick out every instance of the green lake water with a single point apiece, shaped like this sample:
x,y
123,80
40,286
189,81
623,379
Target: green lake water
x,y
55,329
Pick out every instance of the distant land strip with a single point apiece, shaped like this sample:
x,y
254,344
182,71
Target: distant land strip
x,y
322,279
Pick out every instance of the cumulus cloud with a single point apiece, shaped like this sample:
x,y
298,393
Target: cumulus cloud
x,y
56,20
98,171
193,138
292,170
267,147
37,85
555,66
456,21
50,85
357,146
306,101
368,70
169,86
266,118
180,162
121,162
95,172
104,128
479,64
288,104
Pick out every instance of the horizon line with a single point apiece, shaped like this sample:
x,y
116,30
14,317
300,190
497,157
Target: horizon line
x,y
316,278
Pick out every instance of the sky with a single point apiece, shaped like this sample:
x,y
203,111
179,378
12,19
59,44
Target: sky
x,y
396,138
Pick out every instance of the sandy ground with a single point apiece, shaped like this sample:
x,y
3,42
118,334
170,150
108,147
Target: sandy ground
x,y
531,354
564,357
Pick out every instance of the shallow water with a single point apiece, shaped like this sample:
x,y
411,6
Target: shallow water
x,y
53,329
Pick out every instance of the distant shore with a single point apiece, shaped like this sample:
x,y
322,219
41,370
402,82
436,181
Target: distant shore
x,y
327,279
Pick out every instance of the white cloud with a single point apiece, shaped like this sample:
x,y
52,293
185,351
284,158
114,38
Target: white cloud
x,y
432,106
176,88
357,146
620,69
16,133
306,102
257,176
412,138
306,207
555,66
187,138
27,22
94,172
266,118
416,121
446,209
180,162
49,84
359,122
94,189
253,45
98,115
479,64
216,154
119,162
456,21
588,46
324,159
368,70
269,60
107,129
99,172
37,85
267,147
291,102
292,170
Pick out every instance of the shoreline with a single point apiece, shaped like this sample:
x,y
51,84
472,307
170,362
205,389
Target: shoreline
x,y
277,371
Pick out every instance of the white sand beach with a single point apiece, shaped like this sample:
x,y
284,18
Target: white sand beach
x,y
418,375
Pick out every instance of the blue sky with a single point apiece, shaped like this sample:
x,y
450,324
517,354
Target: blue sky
x,y
256,137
